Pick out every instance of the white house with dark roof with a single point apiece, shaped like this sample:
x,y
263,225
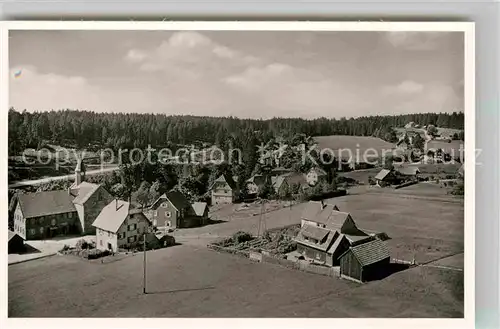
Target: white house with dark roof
x,y
316,175
119,226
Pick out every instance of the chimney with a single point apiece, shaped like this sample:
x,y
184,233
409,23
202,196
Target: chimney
x,y
116,204
323,205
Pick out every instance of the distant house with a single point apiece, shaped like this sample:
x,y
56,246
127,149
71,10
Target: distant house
x,y
254,184
410,124
288,180
172,210
408,171
365,261
224,190
44,215
119,226
321,245
16,243
316,175
385,177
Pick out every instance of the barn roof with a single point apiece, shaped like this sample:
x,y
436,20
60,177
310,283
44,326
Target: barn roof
x,y
382,174
177,199
46,203
324,213
112,216
370,252
314,232
85,191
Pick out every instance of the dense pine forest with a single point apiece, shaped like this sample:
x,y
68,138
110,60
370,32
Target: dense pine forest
x,y
119,130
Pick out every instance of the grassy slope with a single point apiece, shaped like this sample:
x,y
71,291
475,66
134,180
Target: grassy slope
x,y
353,143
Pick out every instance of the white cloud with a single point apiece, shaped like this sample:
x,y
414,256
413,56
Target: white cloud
x,y
44,91
417,41
405,87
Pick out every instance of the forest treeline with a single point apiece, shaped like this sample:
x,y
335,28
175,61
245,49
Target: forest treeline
x,y
120,130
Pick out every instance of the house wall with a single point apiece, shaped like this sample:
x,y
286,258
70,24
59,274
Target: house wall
x,y
46,227
93,207
106,240
166,215
308,252
81,215
334,258
16,244
349,266
19,222
130,232
376,270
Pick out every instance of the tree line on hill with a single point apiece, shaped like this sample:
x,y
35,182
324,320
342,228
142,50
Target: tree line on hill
x,y
84,129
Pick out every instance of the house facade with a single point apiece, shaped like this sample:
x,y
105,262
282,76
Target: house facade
x,y
223,190
89,200
172,210
45,215
321,245
119,226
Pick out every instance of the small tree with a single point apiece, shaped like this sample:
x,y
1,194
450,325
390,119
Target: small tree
x,y
432,130
142,194
267,190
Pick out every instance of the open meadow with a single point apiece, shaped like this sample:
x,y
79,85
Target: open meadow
x,y
360,144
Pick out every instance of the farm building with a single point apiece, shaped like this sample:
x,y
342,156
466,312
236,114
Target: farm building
x,y
408,171
16,243
385,177
223,190
365,261
288,180
327,216
321,245
47,214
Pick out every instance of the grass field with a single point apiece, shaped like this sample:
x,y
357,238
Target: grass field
x,y
452,147
191,281
353,143
185,281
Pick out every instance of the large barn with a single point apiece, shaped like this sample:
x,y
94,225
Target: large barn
x,y
365,261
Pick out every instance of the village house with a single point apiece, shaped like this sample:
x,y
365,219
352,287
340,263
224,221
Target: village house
x,y
44,215
119,226
89,199
254,184
288,181
407,171
172,210
365,261
316,175
224,190
321,245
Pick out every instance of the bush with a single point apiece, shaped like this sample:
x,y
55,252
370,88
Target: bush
x,y
82,244
240,237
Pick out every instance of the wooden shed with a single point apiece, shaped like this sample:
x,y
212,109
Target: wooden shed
x,y
365,262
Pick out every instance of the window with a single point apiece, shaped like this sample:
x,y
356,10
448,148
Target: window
x,y
318,256
132,227
164,205
70,215
132,239
155,222
168,223
155,213
32,231
168,214
41,230
53,221
100,243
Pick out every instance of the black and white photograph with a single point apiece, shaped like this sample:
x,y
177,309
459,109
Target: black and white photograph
x,y
238,172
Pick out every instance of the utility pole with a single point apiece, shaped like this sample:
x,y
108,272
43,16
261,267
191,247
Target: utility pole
x,y
144,251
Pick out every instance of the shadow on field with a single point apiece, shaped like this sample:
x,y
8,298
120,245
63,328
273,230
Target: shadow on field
x,y
389,270
213,221
28,249
178,290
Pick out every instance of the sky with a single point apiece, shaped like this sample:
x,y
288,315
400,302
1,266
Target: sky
x,y
246,74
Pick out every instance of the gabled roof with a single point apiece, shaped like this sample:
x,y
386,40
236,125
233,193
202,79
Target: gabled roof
x,y
336,244
226,180
319,212
112,216
176,198
199,208
369,252
85,191
310,231
382,174
258,180
45,203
